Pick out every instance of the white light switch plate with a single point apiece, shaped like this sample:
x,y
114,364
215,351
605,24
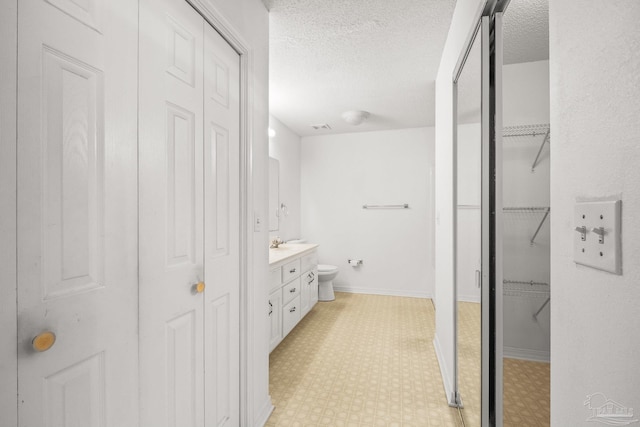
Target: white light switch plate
x,y
605,256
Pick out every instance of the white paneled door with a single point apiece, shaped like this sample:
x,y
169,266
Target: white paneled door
x,y
221,230
77,213
189,219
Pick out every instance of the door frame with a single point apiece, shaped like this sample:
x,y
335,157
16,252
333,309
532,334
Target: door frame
x,y
216,19
475,31
8,219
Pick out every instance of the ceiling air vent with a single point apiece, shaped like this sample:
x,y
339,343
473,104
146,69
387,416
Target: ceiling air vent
x,y
322,126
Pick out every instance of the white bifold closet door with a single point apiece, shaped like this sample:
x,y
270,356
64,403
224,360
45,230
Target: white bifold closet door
x,y
189,219
77,213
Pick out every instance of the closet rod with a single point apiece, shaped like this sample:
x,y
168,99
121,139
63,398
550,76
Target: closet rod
x,y
526,209
522,292
522,282
402,206
524,134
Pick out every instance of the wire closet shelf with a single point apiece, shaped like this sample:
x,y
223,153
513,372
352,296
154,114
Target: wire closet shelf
x,y
520,288
528,133
531,209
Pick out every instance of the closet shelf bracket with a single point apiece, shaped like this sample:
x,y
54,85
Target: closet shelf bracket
x,y
544,141
544,304
544,218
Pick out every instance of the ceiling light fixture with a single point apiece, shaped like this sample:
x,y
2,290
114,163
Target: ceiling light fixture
x,y
355,117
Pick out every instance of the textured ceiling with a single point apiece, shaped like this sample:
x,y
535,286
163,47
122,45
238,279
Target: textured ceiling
x,y
381,56
330,56
526,31
526,39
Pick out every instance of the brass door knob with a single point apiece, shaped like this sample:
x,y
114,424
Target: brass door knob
x,y
43,341
200,287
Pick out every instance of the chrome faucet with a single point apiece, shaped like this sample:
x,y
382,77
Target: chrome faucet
x,y
276,242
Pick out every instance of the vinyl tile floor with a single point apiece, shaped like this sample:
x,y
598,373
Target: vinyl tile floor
x,y
368,360
526,384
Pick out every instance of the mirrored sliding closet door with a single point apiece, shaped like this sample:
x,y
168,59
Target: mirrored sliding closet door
x,y
468,229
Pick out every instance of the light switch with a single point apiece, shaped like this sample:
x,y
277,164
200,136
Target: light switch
x,y
596,235
257,223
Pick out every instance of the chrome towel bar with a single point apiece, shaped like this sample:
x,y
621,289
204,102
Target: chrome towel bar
x,y
402,206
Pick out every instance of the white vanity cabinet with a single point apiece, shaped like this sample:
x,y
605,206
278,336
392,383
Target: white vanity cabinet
x,y
275,318
293,287
309,279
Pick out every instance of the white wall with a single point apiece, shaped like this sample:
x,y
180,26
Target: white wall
x,y
340,173
465,16
595,93
526,93
526,102
285,147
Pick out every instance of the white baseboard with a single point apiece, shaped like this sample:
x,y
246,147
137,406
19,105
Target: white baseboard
x,y
264,413
469,298
388,292
447,381
526,354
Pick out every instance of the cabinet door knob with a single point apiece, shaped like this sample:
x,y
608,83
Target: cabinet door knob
x,y
291,310
199,287
293,270
292,290
44,341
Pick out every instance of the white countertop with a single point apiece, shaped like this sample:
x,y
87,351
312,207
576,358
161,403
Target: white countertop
x,y
286,251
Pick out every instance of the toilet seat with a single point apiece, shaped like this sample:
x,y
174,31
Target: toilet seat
x,y
324,268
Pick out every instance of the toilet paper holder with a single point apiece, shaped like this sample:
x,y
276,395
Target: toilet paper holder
x,y
354,262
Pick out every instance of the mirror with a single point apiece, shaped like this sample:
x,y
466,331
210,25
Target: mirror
x,y
526,198
468,229
274,194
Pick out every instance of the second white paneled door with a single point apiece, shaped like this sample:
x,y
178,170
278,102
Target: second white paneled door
x,y
189,219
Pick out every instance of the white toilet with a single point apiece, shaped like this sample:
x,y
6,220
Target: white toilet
x,y
326,274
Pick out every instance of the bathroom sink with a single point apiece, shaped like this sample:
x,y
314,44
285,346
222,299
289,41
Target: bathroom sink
x,y
287,250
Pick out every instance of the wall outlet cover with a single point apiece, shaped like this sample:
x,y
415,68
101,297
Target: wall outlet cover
x,y
602,246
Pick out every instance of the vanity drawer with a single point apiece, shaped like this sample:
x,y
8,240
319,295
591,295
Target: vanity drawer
x,y
275,278
290,315
290,290
290,270
309,261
